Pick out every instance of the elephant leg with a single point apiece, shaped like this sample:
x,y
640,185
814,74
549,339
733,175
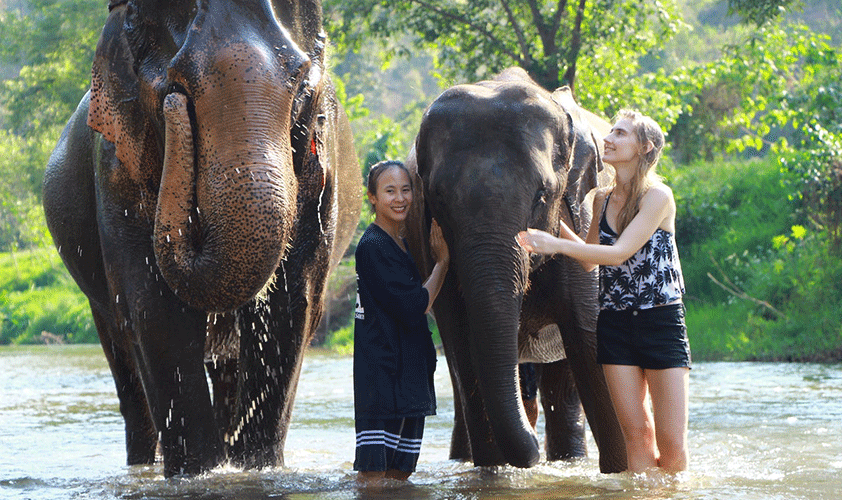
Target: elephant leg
x,y
271,354
580,346
565,426
274,335
223,376
168,349
141,438
222,349
171,348
460,443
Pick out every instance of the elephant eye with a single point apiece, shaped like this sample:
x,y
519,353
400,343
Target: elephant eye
x,y
131,17
540,198
134,30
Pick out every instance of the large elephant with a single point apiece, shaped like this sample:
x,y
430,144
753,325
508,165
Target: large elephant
x,y
495,158
203,189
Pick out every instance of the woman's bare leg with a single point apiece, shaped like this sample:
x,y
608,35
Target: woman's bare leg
x,y
627,386
398,474
370,477
669,390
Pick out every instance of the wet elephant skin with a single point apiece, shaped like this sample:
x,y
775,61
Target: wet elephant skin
x,y
493,159
200,195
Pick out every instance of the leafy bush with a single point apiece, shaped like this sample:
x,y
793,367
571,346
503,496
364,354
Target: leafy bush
x,y
763,277
789,311
341,340
727,212
38,295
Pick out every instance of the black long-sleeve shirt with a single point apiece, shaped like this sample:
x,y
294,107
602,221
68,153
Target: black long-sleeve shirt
x,y
394,355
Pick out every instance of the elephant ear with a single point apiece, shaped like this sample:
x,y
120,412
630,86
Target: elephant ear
x,y
586,167
419,217
303,19
115,107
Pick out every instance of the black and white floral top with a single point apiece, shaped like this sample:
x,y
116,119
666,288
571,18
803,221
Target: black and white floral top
x,y
650,277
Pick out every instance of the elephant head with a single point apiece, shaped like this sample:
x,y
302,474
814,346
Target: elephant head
x,y
207,101
495,158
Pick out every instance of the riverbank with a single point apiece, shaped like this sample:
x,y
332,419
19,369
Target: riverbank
x,y
40,303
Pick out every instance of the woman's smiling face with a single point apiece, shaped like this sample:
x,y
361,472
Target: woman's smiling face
x,y
394,195
621,144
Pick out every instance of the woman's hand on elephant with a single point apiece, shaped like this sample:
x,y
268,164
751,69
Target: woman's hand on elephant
x,y
441,253
537,241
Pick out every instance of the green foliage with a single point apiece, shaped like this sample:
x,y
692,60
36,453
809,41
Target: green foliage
x,y
801,285
22,163
759,11
341,340
473,40
38,295
760,93
763,282
728,212
54,42
387,104
817,168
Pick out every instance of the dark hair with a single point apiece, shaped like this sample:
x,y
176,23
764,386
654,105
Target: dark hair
x,y
377,170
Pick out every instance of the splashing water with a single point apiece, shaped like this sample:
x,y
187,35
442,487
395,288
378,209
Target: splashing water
x,y
757,431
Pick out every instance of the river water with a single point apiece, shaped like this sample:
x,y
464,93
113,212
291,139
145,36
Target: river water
x,y
757,431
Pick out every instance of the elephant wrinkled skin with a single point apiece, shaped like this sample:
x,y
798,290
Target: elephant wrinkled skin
x,y
203,189
495,158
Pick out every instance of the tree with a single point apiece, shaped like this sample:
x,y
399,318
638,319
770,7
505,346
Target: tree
x,y
477,38
759,12
53,44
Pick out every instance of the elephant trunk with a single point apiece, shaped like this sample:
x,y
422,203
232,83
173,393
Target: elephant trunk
x,y
493,287
227,200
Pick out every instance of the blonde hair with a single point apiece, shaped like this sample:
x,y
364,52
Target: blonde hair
x,y
646,130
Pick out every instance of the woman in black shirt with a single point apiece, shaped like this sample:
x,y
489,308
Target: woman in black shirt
x,y
394,356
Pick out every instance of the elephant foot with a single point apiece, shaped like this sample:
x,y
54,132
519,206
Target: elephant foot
x,y
141,448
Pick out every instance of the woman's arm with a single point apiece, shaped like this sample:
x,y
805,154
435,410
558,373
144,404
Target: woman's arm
x,y
442,255
655,206
593,230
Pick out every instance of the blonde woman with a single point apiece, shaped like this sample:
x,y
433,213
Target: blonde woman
x,y
641,335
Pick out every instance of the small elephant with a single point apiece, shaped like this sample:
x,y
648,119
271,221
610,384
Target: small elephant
x,y
199,196
493,159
